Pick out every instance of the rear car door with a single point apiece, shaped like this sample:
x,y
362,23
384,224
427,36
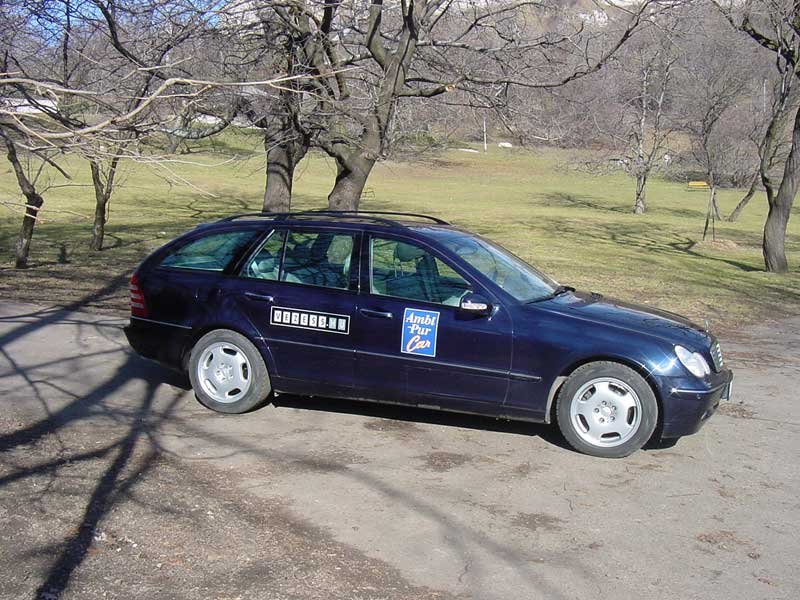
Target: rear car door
x,y
414,344
300,292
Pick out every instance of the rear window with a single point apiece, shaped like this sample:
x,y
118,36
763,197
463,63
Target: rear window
x,y
210,253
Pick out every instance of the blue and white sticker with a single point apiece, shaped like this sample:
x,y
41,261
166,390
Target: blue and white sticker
x,y
419,332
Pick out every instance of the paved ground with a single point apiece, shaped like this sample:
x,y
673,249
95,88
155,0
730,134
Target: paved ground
x,y
115,483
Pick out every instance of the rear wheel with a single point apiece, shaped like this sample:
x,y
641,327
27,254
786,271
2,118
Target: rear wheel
x,y
228,373
606,409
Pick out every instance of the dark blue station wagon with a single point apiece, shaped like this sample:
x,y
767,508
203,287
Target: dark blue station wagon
x,y
401,308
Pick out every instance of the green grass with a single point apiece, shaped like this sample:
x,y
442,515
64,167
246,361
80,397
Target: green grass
x,y
575,226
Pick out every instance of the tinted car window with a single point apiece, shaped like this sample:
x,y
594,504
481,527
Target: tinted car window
x,y
318,258
210,253
267,261
409,271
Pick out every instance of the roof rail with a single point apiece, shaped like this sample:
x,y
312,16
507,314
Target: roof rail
x,y
373,215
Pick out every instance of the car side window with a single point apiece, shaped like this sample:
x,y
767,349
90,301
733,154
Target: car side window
x,y
267,261
210,253
317,258
409,271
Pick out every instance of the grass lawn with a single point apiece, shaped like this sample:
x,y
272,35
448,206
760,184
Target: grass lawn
x,y
575,226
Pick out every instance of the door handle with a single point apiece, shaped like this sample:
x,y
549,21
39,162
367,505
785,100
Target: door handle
x,y
260,297
375,314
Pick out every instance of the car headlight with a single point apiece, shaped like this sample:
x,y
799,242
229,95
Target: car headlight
x,y
693,361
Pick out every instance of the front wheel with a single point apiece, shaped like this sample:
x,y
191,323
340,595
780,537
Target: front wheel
x,y
606,409
227,372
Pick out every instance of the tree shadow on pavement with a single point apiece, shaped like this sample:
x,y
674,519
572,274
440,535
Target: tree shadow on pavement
x,y
129,450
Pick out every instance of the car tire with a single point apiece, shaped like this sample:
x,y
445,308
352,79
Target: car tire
x,y
606,409
228,373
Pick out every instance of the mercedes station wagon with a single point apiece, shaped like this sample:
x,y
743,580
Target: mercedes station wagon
x,y
407,309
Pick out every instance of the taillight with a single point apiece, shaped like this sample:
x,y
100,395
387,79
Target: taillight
x,y
138,305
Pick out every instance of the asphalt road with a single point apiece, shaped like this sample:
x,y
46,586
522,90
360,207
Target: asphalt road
x,y
116,483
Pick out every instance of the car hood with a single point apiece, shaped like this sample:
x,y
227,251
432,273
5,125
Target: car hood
x,y
634,317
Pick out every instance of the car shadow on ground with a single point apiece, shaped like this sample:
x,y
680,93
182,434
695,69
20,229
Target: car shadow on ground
x,y
412,414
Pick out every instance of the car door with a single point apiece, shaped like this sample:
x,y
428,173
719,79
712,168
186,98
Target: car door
x,y
300,292
414,345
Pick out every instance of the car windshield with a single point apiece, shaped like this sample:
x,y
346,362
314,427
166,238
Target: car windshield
x,y
512,274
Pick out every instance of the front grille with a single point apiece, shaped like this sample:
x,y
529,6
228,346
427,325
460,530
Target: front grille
x,y
716,357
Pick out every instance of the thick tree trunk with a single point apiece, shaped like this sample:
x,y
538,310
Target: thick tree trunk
x,y
351,177
734,216
282,160
780,208
640,205
774,239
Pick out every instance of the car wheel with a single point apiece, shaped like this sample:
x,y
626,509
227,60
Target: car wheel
x,y
228,373
606,409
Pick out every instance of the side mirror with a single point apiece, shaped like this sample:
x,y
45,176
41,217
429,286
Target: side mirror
x,y
475,304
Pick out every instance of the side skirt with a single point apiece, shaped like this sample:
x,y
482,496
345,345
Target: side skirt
x,y
505,416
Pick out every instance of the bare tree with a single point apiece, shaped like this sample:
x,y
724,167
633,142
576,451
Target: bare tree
x,y
768,134
105,108
635,93
775,25
428,48
418,50
714,78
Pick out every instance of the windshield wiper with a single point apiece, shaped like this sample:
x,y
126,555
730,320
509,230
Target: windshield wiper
x,y
559,290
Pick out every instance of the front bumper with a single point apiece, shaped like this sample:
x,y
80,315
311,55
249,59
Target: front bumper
x,y
688,403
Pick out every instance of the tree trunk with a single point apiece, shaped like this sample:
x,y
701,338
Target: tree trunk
x,y
351,177
715,205
774,239
712,214
173,141
23,246
102,195
780,207
99,225
282,160
33,203
640,205
734,216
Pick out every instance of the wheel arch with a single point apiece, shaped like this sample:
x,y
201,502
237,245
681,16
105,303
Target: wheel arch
x,y
565,372
256,340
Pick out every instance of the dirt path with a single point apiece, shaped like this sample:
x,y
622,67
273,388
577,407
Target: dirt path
x,y
115,483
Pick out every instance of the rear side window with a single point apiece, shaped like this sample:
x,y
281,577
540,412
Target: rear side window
x,y
409,271
318,258
210,253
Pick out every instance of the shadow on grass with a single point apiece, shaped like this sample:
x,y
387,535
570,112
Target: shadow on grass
x,y
562,199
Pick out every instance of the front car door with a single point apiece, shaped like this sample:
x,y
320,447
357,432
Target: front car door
x,y
300,292
414,345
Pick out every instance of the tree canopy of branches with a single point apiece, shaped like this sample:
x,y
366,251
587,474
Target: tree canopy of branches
x,y
94,79
366,57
